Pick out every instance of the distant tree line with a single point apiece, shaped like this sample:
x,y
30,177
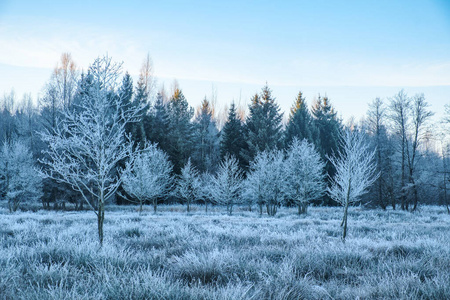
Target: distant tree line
x,y
177,153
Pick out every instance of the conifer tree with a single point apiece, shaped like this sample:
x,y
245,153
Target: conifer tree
x,y
158,128
206,142
329,129
300,124
328,126
263,128
232,141
180,130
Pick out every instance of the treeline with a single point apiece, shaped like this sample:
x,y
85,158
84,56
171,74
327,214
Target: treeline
x,y
196,152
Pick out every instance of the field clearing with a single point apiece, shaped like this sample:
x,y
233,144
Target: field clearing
x,y
175,255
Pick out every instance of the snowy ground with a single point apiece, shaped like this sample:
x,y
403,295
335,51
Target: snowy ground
x,y
173,255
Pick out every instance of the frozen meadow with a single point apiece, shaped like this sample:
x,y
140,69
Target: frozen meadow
x,y
175,255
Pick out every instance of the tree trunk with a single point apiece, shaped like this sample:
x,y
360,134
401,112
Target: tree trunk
x,y
100,219
403,195
155,204
344,221
416,196
188,206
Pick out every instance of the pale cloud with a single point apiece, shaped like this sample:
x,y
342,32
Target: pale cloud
x,y
42,45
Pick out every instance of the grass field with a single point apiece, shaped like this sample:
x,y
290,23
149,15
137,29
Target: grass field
x,y
173,255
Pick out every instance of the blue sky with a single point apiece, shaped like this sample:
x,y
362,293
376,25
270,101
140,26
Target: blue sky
x,y
353,51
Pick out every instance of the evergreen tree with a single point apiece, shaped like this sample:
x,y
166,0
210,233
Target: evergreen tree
x,y
180,130
158,126
126,91
329,128
125,94
206,141
232,141
141,100
263,128
300,124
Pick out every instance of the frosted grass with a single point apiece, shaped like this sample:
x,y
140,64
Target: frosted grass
x,y
174,255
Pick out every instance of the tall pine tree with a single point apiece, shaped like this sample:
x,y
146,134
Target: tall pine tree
x,y
232,141
300,124
158,128
263,128
180,130
206,139
329,128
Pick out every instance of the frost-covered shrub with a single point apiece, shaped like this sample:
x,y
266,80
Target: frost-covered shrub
x,y
304,174
148,175
266,182
226,186
19,180
189,184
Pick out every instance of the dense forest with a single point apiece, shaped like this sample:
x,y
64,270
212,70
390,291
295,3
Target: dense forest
x,y
99,135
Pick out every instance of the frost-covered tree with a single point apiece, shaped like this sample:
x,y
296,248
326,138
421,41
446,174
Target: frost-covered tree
x,y
399,108
277,181
305,174
355,171
204,192
383,189
19,180
89,141
147,175
257,181
226,186
189,185
409,117
266,181
420,116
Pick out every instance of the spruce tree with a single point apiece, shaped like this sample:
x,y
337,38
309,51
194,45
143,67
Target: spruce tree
x,y
141,100
158,127
263,128
300,124
329,129
206,139
180,130
232,141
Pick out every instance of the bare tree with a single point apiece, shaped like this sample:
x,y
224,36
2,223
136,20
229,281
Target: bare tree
x,y
18,177
355,172
226,186
146,82
64,79
89,142
305,174
399,114
147,175
420,115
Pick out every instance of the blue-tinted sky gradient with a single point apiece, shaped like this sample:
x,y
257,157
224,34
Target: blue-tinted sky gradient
x,y
353,51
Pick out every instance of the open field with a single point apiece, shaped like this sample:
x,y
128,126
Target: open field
x,y
172,255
